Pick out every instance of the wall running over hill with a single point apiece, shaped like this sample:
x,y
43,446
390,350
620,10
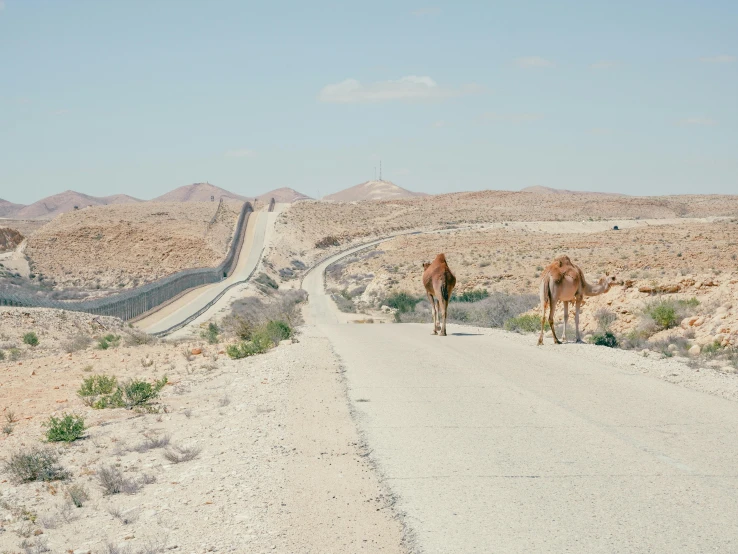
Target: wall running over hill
x,y
135,302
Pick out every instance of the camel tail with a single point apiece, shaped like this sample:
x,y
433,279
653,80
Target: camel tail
x,y
545,293
444,292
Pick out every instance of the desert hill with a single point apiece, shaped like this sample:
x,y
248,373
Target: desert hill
x,y
198,192
283,195
120,199
8,209
372,190
538,189
51,206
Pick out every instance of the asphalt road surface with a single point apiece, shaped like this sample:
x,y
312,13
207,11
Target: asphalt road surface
x,y
492,444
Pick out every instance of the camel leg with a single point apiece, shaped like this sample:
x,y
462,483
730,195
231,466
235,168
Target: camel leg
x,y
551,312
543,324
444,309
576,319
566,318
435,313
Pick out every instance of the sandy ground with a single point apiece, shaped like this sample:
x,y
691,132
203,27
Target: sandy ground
x,y
684,260
281,466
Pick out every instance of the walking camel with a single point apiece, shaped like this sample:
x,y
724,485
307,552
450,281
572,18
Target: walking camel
x,y
564,281
439,282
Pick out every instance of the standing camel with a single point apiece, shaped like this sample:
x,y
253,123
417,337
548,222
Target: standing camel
x,y
439,282
564,281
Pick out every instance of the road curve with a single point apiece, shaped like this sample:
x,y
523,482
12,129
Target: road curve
x,y
194,301
492,444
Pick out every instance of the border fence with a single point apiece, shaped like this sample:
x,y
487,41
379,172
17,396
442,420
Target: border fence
x,y
135,302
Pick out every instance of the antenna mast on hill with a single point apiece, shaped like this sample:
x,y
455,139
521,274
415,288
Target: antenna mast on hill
x,y
380,170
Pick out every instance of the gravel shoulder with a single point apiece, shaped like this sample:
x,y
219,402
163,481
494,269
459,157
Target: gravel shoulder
x,y
280,465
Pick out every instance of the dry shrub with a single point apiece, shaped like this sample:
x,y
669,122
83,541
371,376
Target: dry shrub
x,y
113,481
179,454
35,464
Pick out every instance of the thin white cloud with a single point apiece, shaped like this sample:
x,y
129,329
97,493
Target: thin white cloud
x,y
702,121
426,11
604,64
439,124
724,58
240,153
534,62
410,89
491,117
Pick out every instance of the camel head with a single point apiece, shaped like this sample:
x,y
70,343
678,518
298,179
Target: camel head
x,y
607,281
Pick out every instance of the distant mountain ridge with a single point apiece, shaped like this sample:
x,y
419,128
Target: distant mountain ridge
x,y
283,195
372,190
67,201
198,192
8,209
538,189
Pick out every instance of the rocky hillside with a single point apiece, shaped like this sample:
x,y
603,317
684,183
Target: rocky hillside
x,y
9,239
109,248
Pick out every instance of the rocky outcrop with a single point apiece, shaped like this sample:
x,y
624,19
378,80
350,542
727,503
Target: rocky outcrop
x,y
10,239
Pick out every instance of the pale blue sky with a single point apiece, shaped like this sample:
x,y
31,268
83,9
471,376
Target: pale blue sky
x,y
140,97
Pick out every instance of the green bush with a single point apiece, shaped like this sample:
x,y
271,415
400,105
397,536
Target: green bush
x,y
108,341
402,302
525,323
101,391
471,296
139,393
663,312
37,464
2,356
67,428
211,334
278,331
96,385
260,342
605,339
31,339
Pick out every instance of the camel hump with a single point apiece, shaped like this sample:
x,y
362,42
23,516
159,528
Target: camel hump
x,y
563,261
560,267
441,258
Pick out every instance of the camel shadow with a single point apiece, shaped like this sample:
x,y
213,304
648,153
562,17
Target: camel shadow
x,y
465,334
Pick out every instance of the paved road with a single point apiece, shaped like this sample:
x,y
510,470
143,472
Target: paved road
x,y
193,301
495,445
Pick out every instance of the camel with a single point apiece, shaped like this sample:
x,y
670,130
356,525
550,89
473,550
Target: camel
x,y
439,282
564,281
